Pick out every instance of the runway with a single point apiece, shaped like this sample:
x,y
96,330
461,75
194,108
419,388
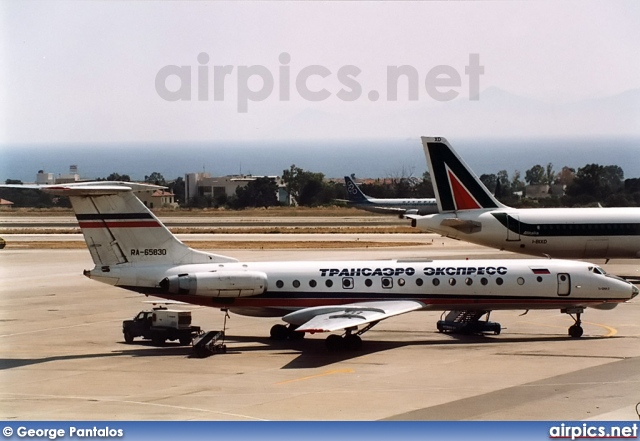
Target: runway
x,y
63,356
214,220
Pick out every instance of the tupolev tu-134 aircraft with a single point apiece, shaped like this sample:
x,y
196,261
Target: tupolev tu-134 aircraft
x,y
133,250
469,212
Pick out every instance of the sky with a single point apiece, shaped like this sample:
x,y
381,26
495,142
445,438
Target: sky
x,y
162,71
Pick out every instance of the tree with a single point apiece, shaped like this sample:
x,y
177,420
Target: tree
x,y
550,175
258,193
424,189
118,177
535,175
155,178
311,190
489,181
293,182
595,183
177,188
505,184
565,177
516,183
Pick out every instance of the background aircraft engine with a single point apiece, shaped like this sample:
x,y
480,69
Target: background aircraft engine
x,y
217,284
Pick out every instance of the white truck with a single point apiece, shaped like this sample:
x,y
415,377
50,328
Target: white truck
x,y
159,325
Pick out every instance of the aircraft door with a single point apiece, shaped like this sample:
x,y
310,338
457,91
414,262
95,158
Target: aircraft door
x,y
513,227
564,284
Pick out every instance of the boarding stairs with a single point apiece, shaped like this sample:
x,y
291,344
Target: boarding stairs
x,y
467,322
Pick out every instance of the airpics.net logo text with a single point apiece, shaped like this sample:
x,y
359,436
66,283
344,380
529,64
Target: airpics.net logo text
x,y
313,83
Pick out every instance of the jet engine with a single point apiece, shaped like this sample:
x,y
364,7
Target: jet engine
x,y
217,284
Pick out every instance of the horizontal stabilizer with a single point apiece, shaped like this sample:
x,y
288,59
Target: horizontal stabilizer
x,y
465,226
333,318
93,188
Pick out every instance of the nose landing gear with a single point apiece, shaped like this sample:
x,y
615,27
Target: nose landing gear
x,y
575,330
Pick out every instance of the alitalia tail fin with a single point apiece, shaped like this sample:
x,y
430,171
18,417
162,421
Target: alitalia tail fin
x,y
455,185
118,228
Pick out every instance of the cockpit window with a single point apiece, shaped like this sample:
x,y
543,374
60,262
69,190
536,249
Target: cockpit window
x,y
598,270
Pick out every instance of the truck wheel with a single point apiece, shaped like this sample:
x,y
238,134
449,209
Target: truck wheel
x,y
185,341
128,337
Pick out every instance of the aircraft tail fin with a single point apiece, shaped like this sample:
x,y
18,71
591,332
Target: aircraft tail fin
x,y
353,191
118,228
455,185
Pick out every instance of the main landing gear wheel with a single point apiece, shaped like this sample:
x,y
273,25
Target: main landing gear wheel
x,y
349,342
282,332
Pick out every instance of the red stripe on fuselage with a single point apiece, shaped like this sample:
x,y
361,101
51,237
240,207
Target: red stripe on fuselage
x,y
430,303
119,224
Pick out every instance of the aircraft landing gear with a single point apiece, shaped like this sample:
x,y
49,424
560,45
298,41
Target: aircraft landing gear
x,y
575,330
282,332
350,341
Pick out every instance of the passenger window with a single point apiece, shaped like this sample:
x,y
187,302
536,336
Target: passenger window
x,y
387,282
468,281
296,284
312,283
435,282
368,282
279,283
419,282
329,283
452,281
347,282
499,281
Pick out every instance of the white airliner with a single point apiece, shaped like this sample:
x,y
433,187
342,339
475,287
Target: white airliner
x,y
133,250
469,212
399,206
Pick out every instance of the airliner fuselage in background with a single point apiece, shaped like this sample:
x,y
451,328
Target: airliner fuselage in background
x,y
399,206
469,212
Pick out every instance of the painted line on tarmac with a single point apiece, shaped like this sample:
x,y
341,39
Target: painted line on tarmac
x,y
324,374
109,400
35,331
610,330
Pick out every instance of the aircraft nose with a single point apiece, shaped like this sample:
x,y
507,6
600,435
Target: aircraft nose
x,y
634,291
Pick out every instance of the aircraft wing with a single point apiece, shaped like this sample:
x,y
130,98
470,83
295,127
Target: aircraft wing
x,y
333,318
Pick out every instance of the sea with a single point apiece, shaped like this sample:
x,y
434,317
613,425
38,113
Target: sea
x,y
373,158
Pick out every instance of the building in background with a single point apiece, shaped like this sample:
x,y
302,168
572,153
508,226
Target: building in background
x,y
158,199
543,191
203,184
43,178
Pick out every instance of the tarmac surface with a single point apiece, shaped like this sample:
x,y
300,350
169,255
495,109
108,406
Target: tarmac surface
x,y
62,356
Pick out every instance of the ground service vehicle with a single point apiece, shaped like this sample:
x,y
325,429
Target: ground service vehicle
x,y
159,325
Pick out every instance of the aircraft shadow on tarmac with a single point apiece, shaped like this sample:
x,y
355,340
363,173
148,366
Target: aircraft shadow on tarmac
x,y
311,352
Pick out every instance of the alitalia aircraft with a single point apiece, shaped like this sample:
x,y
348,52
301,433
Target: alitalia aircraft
x,y
399,206
469,212
133,250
